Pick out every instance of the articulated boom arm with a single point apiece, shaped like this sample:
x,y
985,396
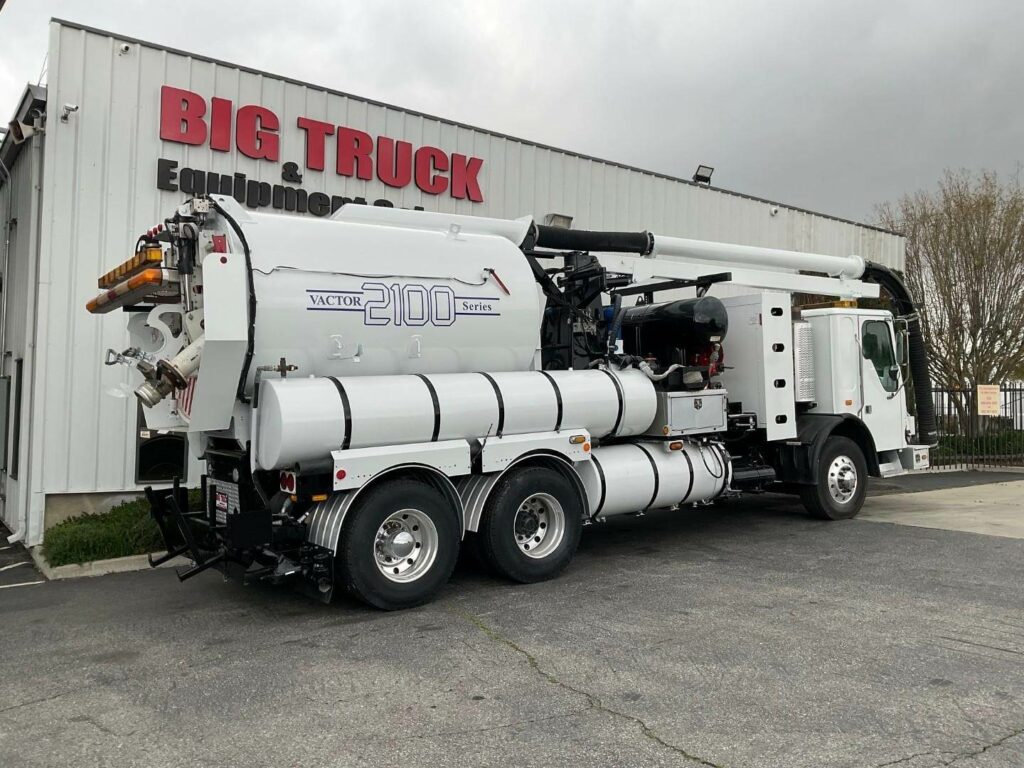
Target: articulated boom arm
x,y
648,257
664,266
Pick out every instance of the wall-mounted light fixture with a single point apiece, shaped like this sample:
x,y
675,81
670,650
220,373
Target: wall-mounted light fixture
x,y
703,174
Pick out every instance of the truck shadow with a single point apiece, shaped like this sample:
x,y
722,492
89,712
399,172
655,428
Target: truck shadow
x,y
695,534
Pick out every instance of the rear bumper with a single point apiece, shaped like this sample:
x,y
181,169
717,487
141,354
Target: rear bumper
x,y
239,535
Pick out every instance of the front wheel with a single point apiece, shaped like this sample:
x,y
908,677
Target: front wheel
x,y
399,545
531,525
841,481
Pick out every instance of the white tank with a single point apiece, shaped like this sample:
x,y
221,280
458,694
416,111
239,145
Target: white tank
x,y
306,419
632,477
368,295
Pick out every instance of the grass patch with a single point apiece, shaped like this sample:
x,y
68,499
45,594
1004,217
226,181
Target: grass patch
x,y
127,529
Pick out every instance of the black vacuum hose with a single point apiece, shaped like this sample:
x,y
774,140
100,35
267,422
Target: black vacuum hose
x,y
561,239
927,430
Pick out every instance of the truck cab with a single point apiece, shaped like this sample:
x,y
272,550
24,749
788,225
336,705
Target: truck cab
x,y
860,369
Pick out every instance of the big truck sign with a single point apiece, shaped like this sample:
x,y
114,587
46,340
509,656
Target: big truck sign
x,y
188,118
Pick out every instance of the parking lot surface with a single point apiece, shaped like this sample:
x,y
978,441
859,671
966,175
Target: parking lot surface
x,y
743,634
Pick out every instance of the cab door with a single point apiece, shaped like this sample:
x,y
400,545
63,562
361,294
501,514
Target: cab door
x,y
882,408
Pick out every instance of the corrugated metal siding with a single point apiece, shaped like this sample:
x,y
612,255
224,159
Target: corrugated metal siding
x,y
100,193
18,286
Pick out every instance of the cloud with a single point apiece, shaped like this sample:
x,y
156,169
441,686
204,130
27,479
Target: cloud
x,y
832,106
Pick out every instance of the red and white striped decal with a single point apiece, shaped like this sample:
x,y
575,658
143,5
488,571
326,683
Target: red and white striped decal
x,y
185,398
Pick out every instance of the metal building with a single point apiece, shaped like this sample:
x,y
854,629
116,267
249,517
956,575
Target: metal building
x,y
126,129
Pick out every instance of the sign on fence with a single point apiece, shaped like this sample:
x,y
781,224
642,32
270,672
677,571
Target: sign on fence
x,y
988,399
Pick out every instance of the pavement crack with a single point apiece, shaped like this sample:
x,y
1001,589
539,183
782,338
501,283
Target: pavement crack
x,y
594,703
992,745
94,723
34,701
906,759
1002,648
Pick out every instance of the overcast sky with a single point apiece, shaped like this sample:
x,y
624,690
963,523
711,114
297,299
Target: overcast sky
x,y
833,106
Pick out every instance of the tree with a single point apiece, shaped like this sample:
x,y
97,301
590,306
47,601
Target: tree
x,y
965,269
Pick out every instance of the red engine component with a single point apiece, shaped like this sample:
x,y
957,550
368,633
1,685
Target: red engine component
x,y
710,356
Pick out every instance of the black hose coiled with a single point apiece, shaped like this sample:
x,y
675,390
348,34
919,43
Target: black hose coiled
x,y
927,430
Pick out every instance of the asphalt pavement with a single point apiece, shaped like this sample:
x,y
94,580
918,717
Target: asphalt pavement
x,y
742,634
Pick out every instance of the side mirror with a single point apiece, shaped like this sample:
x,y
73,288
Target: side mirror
x,y
894,373
902,346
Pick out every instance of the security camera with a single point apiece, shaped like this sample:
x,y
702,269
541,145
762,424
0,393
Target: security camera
x,y
66,111
774,210
125,48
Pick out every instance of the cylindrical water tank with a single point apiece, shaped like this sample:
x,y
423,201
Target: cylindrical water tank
x,y
304,419
365,298
632,477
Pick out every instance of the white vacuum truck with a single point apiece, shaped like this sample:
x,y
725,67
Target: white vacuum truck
x,y
372,391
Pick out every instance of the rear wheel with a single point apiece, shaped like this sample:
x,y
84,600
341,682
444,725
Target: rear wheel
x,y
842,475
399,545
531,525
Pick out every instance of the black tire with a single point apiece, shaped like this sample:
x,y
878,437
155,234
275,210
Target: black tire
x,y
356,561
829,504
501,546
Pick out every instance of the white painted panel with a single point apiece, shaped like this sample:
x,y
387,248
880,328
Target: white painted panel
x,y
759,358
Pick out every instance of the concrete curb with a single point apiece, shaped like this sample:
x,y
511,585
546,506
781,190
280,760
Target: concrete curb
x,y
97,567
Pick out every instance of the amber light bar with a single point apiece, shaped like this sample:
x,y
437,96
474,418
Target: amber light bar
x,y
150,256
145,283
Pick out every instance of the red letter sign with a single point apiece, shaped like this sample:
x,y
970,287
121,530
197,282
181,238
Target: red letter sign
x,y
316,134
181,116
220,124
256,132
394,161
464,181
428,160
354,148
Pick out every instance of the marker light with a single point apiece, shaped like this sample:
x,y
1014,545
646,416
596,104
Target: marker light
x,y
144,284
676,445
578,439
150,256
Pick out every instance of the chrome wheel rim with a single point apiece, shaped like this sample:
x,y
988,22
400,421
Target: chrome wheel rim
x,y
539,525
842,479
405,545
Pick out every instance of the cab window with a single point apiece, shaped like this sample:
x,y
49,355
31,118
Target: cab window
x,y
877,347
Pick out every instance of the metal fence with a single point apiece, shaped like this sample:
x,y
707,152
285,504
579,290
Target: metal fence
x,y
969,441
